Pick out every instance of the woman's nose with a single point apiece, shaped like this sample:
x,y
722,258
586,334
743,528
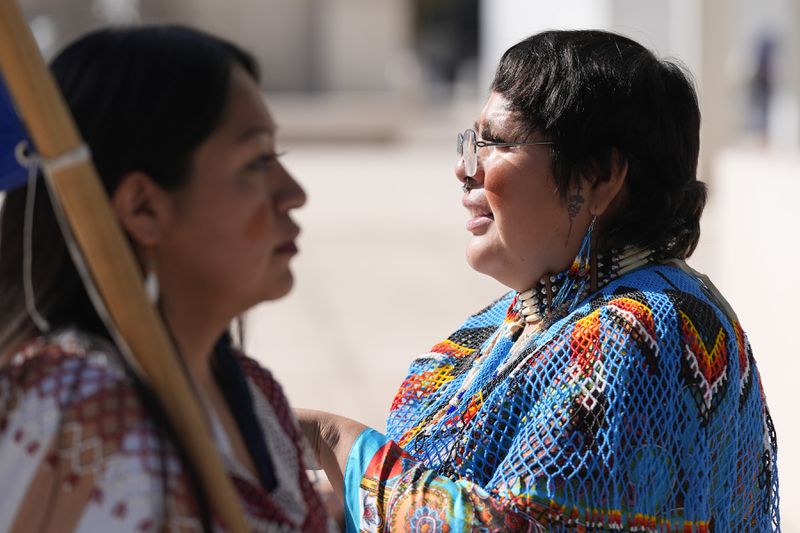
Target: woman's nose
x,y
292,196
462,176
461,173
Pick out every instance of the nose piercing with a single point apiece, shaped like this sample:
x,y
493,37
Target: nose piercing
x,y
467,184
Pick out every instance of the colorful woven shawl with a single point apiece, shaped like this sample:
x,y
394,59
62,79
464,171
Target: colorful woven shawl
x,y
641,410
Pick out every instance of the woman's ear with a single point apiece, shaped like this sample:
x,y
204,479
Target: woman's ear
x,y
142,208
603,193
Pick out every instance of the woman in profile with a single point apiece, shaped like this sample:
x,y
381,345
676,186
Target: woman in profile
x,y
185,147
613,388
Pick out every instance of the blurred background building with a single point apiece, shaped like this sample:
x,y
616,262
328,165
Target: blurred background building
x,y
369,95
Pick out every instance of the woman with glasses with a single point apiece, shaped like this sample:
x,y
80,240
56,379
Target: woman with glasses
x,y
612,388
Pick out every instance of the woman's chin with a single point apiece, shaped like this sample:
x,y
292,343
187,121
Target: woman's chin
x,y
480,256
276,288
282,287
489,261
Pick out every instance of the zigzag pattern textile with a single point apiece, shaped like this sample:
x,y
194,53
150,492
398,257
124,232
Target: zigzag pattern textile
x,y
640,410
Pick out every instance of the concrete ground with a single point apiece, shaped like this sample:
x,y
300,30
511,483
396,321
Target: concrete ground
x,y
381,275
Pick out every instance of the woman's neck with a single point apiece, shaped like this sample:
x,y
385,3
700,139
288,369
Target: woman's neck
x,y
537,303
195,333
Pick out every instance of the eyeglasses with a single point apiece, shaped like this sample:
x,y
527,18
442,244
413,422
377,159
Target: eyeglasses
x,y
467,148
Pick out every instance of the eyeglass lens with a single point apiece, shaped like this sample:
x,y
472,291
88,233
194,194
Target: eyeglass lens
x,y
467,151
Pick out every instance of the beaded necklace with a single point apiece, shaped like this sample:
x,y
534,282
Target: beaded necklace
x,y
537,313
536,304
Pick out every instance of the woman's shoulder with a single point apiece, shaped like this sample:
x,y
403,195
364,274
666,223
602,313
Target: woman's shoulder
x,y
65,365
71,379
673,305
66,401
476,330
478,327
669,288
75,377
491,315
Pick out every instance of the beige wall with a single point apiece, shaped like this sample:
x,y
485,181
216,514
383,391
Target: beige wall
x,y
362,41
302,45
277,32
716,101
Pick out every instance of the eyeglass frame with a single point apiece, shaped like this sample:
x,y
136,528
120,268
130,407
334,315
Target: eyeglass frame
x,y
479,143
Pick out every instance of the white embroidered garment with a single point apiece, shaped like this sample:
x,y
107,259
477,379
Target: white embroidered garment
x,y
79,450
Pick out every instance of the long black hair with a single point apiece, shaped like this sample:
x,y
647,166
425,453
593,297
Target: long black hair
x,y
144,99
592,92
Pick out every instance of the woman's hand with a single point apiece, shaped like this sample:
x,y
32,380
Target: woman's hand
x,y
331,437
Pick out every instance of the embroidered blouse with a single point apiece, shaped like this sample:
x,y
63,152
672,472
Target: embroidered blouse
x,y
79,449
639,410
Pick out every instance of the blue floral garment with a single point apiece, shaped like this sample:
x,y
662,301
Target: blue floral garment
x,y
641,410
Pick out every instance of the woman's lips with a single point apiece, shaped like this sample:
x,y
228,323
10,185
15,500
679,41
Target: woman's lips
x,y
288,248
480,214
479,222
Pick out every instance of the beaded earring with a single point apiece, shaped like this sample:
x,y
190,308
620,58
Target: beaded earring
x,y
574,286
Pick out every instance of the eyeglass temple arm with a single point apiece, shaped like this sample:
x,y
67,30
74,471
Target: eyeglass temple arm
x,y
482,144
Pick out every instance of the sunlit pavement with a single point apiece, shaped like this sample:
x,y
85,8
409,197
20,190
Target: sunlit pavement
x,y
381,275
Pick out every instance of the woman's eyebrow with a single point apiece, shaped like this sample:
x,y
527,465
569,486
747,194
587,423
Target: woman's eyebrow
x,y
484,130
255,131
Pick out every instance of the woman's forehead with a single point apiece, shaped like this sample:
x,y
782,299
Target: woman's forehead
x,y
255,131
495,109
497,116
246,116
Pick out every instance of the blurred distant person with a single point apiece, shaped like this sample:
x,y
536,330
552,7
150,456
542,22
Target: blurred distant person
x,y
447,38
761,88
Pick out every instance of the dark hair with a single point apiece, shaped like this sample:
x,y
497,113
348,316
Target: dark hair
x,y
592,92
144,99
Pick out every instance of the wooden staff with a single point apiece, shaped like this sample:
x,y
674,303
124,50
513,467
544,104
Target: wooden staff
x,y
110,263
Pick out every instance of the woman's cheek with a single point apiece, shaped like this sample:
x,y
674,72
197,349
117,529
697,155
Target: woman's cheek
x,y
497,183
260,223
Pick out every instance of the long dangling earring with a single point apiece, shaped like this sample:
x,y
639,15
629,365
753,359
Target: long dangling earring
x,y
583,260
593,258
572,291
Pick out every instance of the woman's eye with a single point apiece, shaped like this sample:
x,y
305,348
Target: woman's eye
x,y
495,140
501,146
264,161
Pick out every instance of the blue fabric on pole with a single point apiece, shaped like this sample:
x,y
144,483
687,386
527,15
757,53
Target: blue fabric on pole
x,y
12,132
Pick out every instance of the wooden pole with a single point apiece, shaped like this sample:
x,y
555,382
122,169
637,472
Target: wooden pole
x,y
108,258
